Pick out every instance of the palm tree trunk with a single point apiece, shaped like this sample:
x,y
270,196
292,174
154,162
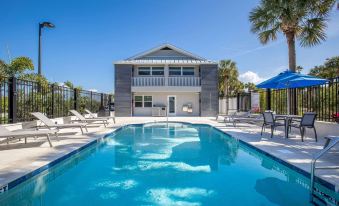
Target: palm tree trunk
x,y
292,67
291,51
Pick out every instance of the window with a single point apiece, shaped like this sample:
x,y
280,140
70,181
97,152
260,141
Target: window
x,y
147,101
138,101
175,71
157,70
188,71
143,101
144,71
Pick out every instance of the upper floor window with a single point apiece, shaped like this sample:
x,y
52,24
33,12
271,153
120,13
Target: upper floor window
x,y
157,71
144,70
181,71
175,71
188,71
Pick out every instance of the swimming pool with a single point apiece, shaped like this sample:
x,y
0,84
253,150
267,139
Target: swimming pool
x,y
164,164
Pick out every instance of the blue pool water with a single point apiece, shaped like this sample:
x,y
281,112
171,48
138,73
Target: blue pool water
x,y
160,164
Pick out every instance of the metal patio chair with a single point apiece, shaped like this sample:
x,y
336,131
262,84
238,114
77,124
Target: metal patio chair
x,y
269,120
307,121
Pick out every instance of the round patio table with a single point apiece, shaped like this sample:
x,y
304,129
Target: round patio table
x,y
287,120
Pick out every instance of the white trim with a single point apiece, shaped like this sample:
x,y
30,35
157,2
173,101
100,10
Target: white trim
x,y
169,46
175,104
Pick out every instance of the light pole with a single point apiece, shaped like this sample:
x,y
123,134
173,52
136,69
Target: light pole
x,y
42,25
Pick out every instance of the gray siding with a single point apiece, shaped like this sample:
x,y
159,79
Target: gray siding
x,y
209,90
123,94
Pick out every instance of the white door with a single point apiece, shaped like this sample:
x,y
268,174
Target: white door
x,y
171,105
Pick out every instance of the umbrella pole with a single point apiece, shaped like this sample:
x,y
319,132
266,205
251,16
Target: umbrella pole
x,y
288,101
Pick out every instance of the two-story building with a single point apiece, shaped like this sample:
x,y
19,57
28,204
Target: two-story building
x,y
166,77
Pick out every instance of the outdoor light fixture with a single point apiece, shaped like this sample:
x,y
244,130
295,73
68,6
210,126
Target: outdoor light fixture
x,y
42,25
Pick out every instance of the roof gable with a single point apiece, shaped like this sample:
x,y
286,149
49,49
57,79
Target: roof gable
x,y
166,52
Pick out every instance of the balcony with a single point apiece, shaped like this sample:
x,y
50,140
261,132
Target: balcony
x,y
166,84
166,81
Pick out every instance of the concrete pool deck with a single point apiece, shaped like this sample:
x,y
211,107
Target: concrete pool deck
x,y
18,159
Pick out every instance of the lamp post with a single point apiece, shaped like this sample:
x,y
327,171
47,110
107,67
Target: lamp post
x,y
41,26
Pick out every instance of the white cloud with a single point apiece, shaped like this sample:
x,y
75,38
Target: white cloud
x,y
250,76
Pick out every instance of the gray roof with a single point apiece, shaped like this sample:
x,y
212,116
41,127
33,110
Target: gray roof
x,y
165,61
166,54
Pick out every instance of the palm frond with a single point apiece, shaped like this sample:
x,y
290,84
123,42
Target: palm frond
x,y
312,32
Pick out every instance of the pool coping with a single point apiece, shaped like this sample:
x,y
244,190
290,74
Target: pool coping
x,y
12,184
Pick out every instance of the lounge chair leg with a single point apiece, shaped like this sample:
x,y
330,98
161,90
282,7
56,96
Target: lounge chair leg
x,y
25,140
114,120
82,132
86,128
302,133
272,128
49,141
262,128
315,134
57,136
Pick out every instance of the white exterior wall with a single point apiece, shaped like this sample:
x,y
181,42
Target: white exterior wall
x,y
182,98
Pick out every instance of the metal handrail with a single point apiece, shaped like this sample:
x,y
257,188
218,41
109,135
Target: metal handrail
x,y
331,141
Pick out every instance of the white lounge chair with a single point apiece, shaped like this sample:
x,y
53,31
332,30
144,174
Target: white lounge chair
x,y
246,117
87,120
93,116
18,134
50,124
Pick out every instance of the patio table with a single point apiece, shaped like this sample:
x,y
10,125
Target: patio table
x,y
287,120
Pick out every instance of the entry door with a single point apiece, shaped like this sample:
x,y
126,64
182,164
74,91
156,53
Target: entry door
x,y
171,104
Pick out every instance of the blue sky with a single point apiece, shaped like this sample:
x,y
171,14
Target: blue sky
x,y
91,35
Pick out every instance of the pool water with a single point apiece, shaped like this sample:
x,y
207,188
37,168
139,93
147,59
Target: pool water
x,y
160,164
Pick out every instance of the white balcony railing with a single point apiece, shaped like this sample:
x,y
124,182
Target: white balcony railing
x,y
148,81
184,81
163,81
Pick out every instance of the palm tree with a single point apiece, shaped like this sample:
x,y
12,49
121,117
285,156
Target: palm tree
x,y
228,78
304,20
16,67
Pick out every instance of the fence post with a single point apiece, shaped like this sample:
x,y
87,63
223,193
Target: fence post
x,y
53,100
102,100
238,102
75,99
12,100
268,99
91,100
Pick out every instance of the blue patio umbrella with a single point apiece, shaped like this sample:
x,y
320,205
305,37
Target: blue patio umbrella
x,y
291,80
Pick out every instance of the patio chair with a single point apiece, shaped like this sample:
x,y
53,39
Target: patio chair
x,y
50,124
307,121
269,120
82,119
93,116
18,134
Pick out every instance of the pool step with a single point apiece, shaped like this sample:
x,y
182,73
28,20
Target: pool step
x,y
320,198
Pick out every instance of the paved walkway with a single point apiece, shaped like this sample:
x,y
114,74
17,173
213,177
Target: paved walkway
x,y
18,159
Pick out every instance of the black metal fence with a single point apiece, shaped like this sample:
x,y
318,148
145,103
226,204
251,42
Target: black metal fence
x,y
323,99
18,98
